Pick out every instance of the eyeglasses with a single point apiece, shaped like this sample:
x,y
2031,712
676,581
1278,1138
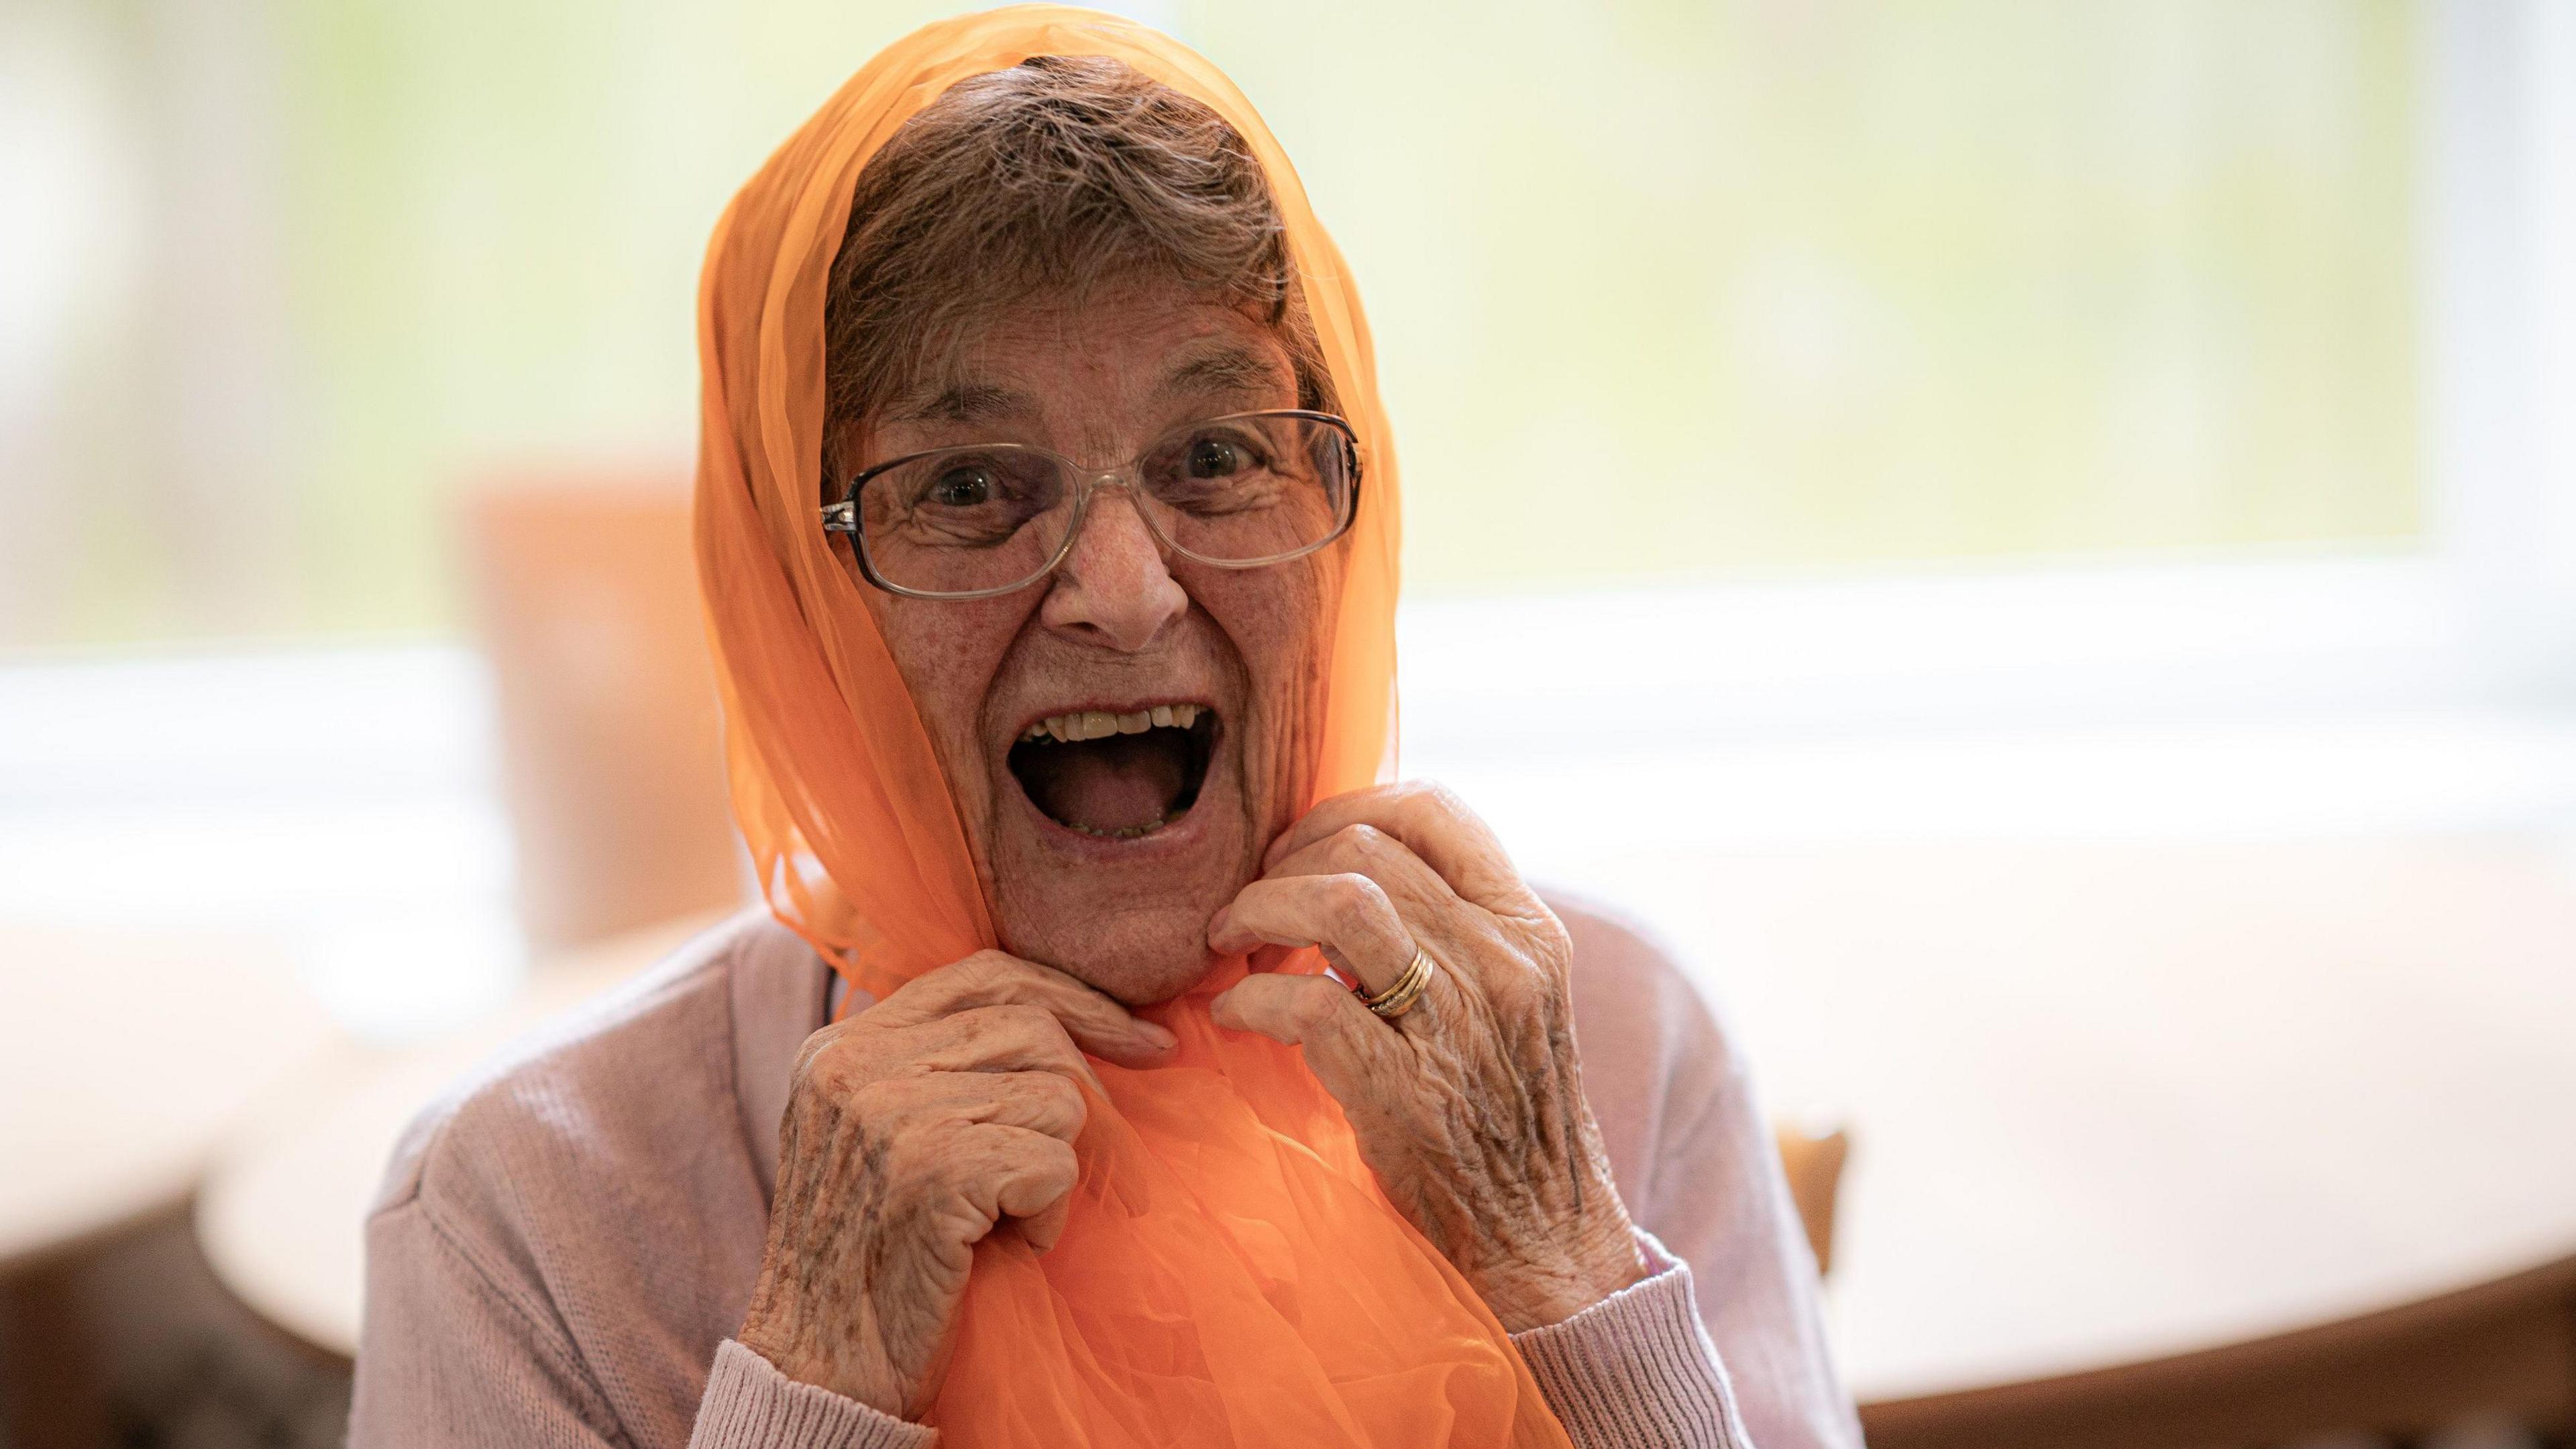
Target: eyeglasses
x,y
1237,492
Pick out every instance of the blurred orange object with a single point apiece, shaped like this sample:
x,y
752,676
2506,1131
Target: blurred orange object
x,y
1812,1154
586,594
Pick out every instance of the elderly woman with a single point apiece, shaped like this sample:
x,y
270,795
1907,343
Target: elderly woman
x,y
1116,1061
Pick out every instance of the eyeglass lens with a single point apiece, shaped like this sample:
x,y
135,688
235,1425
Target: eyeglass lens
x,y
1247,489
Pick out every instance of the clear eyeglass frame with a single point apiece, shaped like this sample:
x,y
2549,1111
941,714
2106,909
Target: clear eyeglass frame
x,y
843,517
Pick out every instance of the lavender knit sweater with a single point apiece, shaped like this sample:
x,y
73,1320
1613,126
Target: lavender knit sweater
x,y
564,1245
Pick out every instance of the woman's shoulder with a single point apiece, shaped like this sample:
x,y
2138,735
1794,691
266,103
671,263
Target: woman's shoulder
x,y
641,1076
1630,983
1657,1056
585,1207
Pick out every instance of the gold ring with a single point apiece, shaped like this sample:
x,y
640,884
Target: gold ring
x,y
1399,997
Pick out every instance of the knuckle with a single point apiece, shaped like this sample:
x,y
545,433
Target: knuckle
x,y
824,1084
1365,841
811,1052
1055,1160
881,1102
827,1069
902,1159
808,1062
1055,1095
1356,900
992,1164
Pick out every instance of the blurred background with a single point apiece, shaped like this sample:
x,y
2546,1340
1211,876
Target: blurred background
x,y
2035,543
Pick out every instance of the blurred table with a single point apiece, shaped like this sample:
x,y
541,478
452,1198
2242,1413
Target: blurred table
x,y
2165,1140
282,1214
125,1056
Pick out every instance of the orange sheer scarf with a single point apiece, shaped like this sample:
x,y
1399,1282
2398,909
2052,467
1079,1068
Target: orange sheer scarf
x,y
1230,1273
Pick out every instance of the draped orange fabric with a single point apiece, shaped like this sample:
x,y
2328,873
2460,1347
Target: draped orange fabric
x,y
1230,1273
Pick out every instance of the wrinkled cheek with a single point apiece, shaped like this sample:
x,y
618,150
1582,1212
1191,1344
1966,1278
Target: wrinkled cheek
x,y
949,654
1295,694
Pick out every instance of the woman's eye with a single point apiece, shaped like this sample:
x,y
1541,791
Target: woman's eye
x,y
961,488
1217,458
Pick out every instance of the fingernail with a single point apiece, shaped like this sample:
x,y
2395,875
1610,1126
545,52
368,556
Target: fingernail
x,y
1158,1034
1216,923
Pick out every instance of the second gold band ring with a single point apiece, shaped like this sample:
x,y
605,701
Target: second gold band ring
x,y
1401,994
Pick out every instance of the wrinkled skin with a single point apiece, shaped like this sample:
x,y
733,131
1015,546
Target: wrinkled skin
x,y
913,1128
946,1111
1117,621
1470,1106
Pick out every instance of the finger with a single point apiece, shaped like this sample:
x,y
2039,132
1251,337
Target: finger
x,y
1348,915
1432,823
1011,1172
1013,1037
1040,1102
1366,850
1347,1047
1460,938
992,978
1042,1228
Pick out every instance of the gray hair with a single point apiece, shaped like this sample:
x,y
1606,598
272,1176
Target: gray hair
x,y
1057,176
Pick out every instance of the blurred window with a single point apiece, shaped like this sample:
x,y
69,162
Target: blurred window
x,y
1660,288
1676,286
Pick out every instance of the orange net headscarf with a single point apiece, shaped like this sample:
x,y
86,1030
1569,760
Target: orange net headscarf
x,y
1230,1272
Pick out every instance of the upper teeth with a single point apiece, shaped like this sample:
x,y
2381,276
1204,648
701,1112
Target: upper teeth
x,y
1093,724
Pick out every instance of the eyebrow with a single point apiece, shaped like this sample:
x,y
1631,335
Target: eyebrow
x,y
1220,371
962,402
1225,370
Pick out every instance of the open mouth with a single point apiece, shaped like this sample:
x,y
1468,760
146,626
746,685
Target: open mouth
x,y
1117,776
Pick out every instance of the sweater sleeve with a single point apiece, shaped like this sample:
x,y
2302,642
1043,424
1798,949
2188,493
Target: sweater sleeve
x,y
749,1402
1636,1370
448,1356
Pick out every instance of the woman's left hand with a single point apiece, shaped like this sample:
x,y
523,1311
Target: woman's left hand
x,y
1470,1106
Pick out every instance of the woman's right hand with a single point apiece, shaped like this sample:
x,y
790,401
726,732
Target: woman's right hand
x,y
912,1128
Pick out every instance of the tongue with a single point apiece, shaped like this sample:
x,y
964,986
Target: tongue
x,y
1120,783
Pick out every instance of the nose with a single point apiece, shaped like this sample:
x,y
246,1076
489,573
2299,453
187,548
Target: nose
x,y
1114,589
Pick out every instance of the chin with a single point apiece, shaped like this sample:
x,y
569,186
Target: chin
x,y
1109,852
1138,958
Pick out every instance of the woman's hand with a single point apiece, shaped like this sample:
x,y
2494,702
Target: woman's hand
x,y
912,1128
1470,1106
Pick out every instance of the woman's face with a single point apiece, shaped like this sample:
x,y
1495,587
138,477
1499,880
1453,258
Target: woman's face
x,y
1120,627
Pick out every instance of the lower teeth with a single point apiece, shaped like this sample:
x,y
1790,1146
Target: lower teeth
x,y
1126,832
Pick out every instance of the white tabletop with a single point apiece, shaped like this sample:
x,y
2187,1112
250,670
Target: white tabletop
x,y
2111,1103
2108,1103
281,1215
125,1056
